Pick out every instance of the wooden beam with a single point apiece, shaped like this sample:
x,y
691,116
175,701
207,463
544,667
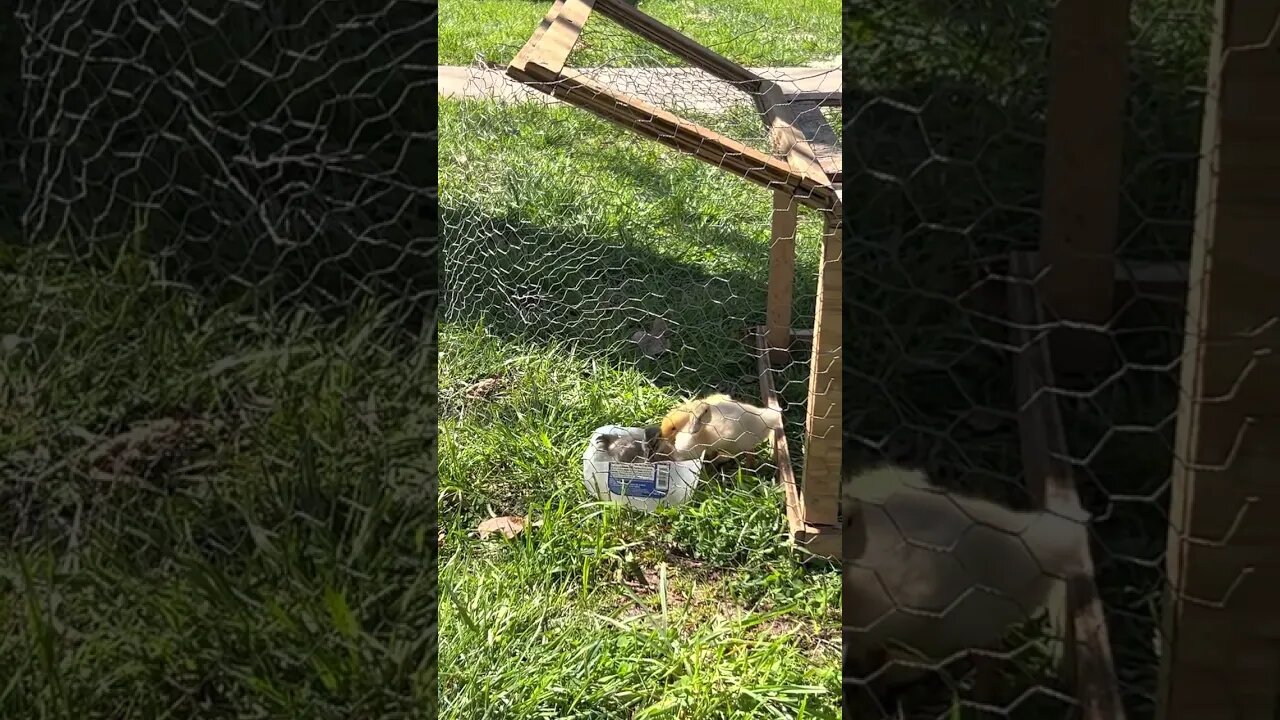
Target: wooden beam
x,y
801,134
1084,127
781,449
820,98
678,44
820,540
675,132
782,273
553,40
1220,656
823,446
1050,480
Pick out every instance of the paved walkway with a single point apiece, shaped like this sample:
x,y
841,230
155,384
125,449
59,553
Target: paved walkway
x,y
683,88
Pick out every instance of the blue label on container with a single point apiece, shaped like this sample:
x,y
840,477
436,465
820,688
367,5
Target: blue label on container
x,y
641,480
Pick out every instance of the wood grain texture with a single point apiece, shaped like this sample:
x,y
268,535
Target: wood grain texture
x,y
650,121
823,437
782,273
800,133
1220,636
555,37
823,541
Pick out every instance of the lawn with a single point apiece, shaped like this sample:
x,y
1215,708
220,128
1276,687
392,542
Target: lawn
x,y
209,511
755,33
562,237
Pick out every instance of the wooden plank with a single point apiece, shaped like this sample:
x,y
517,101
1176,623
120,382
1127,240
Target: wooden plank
x,y
804,138
1088,71
1235,680
823,444
782,273
1223,578
678,44
658,124
817,97
553,40
822,541
781,450
1050,480
818,134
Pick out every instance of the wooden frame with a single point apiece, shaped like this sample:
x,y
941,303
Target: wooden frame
x,y
541,63
1219,649
803,167
1219,644
1084,136
820,540
1087,660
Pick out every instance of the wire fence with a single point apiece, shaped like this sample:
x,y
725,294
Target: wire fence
x,y
947,120
218,259
594,276
608,243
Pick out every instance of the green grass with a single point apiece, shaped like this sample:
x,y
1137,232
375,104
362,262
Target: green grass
x,y
752,32
699,611
209,512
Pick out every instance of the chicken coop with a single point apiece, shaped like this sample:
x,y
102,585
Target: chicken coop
x,y
1056,195
799,164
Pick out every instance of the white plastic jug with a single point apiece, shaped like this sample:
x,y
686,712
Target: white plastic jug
x,y
643,486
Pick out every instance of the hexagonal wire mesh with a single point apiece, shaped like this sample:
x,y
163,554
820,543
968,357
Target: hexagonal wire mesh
x,y
947,118
219,285
638,273
610,245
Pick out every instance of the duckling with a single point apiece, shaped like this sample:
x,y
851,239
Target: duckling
x,y
930,574
627,449
717,425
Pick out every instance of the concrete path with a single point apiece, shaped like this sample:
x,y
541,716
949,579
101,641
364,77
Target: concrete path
x,y
671,88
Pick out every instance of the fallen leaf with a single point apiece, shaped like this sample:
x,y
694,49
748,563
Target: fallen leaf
x,y
146,444
440,538
653,342
484,389
509,526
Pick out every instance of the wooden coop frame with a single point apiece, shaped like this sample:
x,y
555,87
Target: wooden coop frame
x,y
803,169
1219,645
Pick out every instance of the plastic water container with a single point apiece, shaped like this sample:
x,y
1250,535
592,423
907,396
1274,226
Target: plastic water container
x,y
643,486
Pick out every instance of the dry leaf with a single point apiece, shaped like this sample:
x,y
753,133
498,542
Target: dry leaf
x,y
137,451
509,526
484,389
440,538
654,342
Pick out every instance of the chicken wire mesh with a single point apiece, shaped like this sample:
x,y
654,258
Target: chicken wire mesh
x,y
593,277
610,245
947,107
218,249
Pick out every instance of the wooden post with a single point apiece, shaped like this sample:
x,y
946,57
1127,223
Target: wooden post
x,y
1087,662
782,272
821,488
1220,654
1083,155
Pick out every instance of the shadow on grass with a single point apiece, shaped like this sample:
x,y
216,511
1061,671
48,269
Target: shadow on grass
x,y
232,508
582,289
